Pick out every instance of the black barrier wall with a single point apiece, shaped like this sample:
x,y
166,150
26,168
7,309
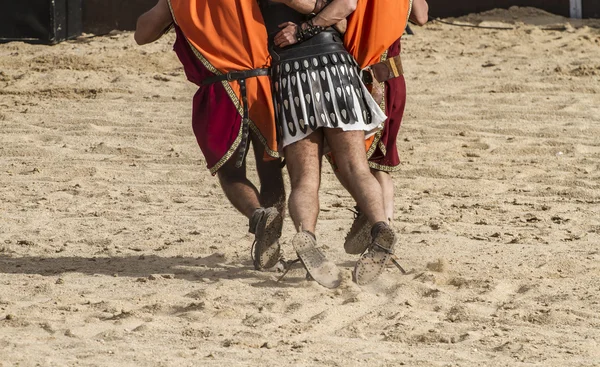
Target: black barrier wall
x,y
52,21
445,8
40,21
102,16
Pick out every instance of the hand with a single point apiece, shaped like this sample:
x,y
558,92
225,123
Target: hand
x,y
341,26
287,36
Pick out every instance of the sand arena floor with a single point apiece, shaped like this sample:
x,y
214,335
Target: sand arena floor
x,y
117,247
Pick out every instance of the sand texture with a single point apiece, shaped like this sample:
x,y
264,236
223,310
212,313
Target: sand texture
x,y
118,248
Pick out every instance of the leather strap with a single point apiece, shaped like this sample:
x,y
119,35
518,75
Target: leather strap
x,y
314,46
307,30
388,69
236,75
241,77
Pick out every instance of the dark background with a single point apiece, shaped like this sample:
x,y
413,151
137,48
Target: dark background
x,y
444,8
101,16
46,21
40,20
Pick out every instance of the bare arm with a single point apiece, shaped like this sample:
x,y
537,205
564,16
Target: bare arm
x,y
312,6
420,12
152,24
335,12
301,6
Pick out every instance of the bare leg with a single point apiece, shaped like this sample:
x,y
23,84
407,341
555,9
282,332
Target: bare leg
x,y
304,166
348,149
341,179
265,224
242,194
272,191
387,188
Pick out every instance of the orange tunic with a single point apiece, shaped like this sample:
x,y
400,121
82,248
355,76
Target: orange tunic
x,y
373,27
229,35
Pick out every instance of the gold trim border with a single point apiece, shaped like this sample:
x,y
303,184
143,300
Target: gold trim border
x,y
383,168
410,5
377,141
373,146
234,98
256,130
236,101
382,147
172,13
229,154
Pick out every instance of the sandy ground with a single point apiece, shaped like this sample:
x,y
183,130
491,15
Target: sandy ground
x,y
117,247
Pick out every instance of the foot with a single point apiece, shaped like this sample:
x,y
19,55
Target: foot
x,y
374,261
266,224
359,237
318,267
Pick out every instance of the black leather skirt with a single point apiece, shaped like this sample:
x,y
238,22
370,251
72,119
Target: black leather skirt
x,y
316,84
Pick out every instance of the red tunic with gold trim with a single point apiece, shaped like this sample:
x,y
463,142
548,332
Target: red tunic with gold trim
x,y
385,156
208,43
376,26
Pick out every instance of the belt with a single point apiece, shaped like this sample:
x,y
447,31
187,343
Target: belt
x,y
236,75
385,70
240,77
323,43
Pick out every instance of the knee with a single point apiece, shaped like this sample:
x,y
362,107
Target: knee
x,y
381,175
305,183
228,175
351,168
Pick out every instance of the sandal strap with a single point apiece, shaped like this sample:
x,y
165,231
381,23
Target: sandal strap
x,y
381,248
288,267
356,211
257,216
377,247
395,262
252,252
